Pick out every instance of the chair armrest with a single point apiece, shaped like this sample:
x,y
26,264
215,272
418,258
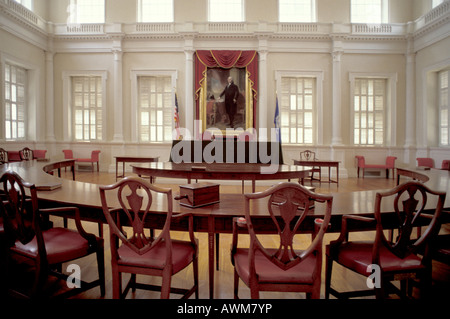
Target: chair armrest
x,y
75,214
190,225
238,222
343,237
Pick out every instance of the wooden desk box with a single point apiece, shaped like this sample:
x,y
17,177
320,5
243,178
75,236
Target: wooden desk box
x,y
199,194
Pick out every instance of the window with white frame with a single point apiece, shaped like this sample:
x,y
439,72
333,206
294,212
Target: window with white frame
x,y
15,102
226,10
369,101
297,10
297,110
26,3
87,106
155,108
435,3
155,11
369,11
444,114
86,11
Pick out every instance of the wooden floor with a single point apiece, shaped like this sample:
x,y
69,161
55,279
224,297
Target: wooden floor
x,y
342,279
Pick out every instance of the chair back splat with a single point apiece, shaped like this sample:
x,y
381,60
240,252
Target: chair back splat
x,y
409,205
285,268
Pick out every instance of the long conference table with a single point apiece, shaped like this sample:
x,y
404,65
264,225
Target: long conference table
x,y
215,218
222,171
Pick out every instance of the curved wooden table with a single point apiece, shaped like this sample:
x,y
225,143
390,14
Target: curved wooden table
x,y
215,218
222,171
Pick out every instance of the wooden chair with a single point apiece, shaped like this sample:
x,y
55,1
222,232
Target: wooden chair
x,y
39,154
283,268
138,253
402,258
425,162
14,156
95,158
445,165
3,156
44,249
311,156
26,154
68,154
389,164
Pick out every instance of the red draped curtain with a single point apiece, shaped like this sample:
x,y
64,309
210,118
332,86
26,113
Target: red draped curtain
x,y
226,59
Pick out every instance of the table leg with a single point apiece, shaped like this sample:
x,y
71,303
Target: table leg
x,y
211,256
337,175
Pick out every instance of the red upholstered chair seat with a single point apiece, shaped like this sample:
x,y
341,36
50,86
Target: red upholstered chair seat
x,y
61,245
358,256
268,272
182,253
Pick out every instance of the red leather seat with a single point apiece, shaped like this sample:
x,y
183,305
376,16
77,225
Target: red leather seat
x,y
95,158
39,154
182,254
268,272
61,245
425,162
358,256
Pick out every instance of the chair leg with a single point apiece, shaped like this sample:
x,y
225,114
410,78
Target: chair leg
x,y
217,250
195,268
117,283
101,270
236,284
165,286
328,270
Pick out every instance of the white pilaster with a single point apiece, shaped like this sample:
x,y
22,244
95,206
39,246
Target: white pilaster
x,y
336,122
49,96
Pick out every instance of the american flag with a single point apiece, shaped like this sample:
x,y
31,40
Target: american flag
x,y
176,117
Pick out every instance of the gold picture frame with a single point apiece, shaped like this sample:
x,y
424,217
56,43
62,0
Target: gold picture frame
x,y
212,110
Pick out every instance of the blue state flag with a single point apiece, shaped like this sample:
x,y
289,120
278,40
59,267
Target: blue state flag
x,y
276,121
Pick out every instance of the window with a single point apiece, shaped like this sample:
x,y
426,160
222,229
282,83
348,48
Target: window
x,y
435,3
444,114
87,11
155,108
26,3
87,104
297,109
226,10
369,11
155,11
297,10
369,101
15,102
